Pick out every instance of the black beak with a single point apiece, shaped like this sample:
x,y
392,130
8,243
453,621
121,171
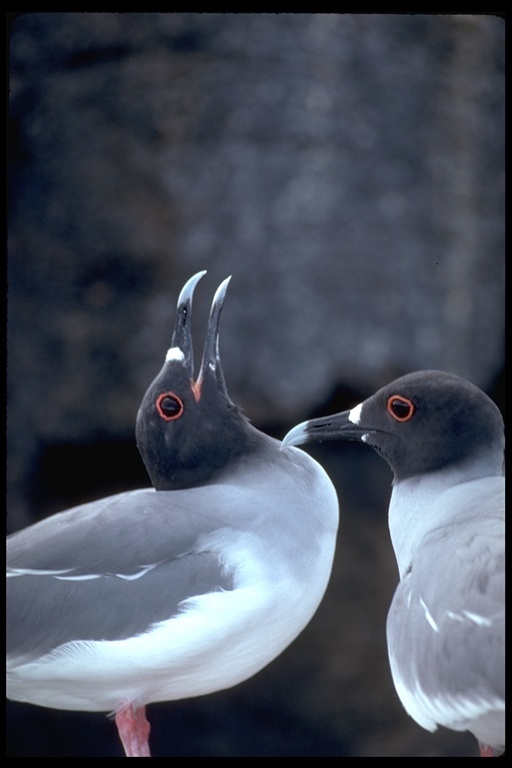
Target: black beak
x,y
335,427
211,359
182,336
181,348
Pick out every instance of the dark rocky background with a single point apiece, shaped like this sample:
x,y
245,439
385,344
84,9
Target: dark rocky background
x,y
347,170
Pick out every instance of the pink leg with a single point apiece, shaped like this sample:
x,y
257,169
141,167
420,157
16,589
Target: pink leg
x,y
133,731
486,751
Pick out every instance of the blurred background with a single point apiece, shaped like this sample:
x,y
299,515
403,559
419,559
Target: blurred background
x,y
348,171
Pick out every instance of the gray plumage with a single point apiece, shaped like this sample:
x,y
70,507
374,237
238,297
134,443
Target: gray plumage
x,y
179,590
444,440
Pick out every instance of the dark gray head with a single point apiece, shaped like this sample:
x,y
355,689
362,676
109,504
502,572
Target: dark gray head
x,y
189,430
421,422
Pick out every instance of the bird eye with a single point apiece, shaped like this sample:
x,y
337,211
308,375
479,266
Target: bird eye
x,y
169,406
400,408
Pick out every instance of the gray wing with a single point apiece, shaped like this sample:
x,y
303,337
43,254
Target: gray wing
x,y
446,623
114,534
106,571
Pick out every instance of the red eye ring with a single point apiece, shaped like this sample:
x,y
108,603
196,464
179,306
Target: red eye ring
x,y
400,408
169,406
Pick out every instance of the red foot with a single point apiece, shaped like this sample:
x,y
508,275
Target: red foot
x,y
486,751
133,731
